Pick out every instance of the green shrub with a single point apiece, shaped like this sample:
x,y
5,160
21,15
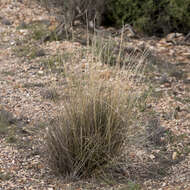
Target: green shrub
x,y
151,17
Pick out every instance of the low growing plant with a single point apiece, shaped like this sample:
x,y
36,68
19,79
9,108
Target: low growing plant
x,y
151,17
89,136
6,118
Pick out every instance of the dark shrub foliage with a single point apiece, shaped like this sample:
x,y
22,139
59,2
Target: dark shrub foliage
x,y
151,16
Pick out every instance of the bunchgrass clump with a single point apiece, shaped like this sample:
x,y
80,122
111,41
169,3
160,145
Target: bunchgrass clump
x,y
88,138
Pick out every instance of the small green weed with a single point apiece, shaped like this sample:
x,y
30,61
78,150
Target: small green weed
x,y
51,94
56,64
5,176
6,118
143,100
186,149
173,138
184,100
11,139
37,29
22,51
32,85
52,62
8,73
132,186
156,93
3,127
38,34
28,51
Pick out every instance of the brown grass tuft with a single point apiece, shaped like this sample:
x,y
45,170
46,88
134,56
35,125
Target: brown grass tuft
x,y
89,135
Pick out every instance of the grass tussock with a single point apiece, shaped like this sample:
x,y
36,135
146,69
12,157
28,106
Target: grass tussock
x,y
89,136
